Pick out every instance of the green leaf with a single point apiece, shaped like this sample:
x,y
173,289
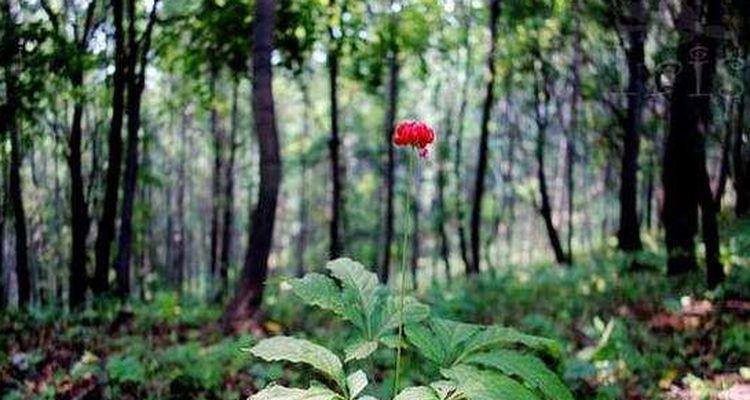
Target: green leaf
x,y
495,337
360,292
360,350
284,348
417,393
319,290
275,392
356,382
478,384
396,313
529,369
428,344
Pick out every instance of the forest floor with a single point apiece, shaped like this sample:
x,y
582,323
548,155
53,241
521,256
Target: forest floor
x,y
628,334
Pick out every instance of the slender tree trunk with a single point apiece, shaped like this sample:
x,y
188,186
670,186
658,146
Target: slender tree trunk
x,y
106,227
479,181
337,200
725,161
458,156
250,289
180,259
629,238
388,126
684,157
136,83
441,222
741,165
226,242
541,109
3,217
10,126
216,187
570,151
302,234
79,209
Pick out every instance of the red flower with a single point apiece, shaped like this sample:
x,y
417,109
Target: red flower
x,y
414,133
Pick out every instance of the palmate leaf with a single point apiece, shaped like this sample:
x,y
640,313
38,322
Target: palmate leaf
x,y
396,313
283,393
360,292
359,350
357,382
495,337
417,393
319,290
441,340
479,384
529,369
283,348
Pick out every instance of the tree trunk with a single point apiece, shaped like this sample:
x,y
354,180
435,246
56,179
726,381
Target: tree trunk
x,y
388,126
79,222
10,126
741,165
250,288
106,227
180,245
337,200
541,108
690,119
726,151
443,153
415,239
226,241
216,186
3,217
458,151
570,151
476,208
136,83
629,238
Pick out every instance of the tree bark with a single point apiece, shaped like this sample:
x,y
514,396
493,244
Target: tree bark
x,y
137,58
226,242
479,181
388,126
216,199
541,108
250,288
79,222
106,227
10,127
336,247
629,238
684,157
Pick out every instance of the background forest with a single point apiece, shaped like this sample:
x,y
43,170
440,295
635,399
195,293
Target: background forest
x,y
168,165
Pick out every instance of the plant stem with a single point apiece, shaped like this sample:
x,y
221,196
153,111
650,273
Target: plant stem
x,y
402,294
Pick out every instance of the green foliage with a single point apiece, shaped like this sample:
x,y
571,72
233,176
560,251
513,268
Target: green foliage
x,y
476,360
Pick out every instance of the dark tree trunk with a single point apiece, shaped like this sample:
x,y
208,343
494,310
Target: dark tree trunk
x,y
302,233
684,156
137,58
250,288
389,124
180,239
79,209
226,241
541,109
337,200
570,152
479,184
629,238
216,199
725,161
10,127
741,163
441,222
458,156
106,227
3,216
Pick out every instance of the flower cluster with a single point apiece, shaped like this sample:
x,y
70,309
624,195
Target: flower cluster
x,y
414,133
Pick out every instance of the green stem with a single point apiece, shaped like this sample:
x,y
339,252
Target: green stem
x,y
402,293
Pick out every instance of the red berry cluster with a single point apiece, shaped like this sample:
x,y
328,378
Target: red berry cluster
x,y
414,133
